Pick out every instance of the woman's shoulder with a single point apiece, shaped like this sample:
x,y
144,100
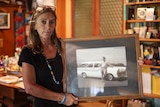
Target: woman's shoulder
x,y
27,50
26,55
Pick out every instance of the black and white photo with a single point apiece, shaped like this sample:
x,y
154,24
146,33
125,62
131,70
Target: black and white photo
x,y
103,67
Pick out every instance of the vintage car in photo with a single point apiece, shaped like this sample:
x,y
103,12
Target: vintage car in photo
x,y
93,69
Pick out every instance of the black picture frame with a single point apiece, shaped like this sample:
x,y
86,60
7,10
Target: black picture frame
x,y
118,50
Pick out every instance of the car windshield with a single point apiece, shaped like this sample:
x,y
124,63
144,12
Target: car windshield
x,y
90,65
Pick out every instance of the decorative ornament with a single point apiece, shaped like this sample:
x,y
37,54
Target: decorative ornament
x,y
141,13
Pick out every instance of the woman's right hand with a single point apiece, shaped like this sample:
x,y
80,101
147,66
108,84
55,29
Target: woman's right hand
x,y
71,99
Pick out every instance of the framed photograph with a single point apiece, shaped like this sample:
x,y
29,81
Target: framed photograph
x,y
141,13
142,32
4,20
101,68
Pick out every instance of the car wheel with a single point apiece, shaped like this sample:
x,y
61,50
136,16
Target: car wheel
x,y
84,75
109,77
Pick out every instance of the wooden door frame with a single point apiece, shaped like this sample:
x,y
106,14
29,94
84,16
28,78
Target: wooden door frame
x,y
62,18
95,17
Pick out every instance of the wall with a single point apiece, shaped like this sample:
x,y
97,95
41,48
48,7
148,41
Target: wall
x,y
110,17
8,34
90,19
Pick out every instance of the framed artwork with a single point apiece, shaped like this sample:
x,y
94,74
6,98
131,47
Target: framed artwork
x,y
19,29
101,68
4,20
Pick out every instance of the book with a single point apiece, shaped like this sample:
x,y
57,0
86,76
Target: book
x,y
131,14
158,12
159,50
155,85
142,31
146,81
148,35
150,14
141,50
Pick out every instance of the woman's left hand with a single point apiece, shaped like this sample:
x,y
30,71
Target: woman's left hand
x,y
140,61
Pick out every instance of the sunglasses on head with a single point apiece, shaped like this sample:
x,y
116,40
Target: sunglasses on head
x,y
40,9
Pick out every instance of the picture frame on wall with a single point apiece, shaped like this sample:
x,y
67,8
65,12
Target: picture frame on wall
x,y
4,20
101,68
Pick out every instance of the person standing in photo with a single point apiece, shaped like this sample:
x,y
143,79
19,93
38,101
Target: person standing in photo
x,y
104,67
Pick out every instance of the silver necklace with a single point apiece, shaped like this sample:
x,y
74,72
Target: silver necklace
x,y
51,70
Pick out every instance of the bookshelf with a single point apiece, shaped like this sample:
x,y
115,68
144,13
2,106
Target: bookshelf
x,y
142,2
138,21
131,20
153,43
137,14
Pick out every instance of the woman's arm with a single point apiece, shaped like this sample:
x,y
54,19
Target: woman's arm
x,y
36,90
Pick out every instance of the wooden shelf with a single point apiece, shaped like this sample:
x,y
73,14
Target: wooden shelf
x,y
141,20
149,40
151,66
142,3
151,95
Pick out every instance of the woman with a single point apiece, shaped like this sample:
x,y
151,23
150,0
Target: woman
x,y
41,62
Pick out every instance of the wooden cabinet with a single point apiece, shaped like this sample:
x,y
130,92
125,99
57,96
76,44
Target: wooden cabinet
x,y
12,96
7,36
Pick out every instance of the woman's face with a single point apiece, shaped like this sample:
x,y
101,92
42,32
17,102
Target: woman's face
x,y
45,25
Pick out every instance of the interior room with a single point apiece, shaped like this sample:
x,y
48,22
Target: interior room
x,y
110,52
